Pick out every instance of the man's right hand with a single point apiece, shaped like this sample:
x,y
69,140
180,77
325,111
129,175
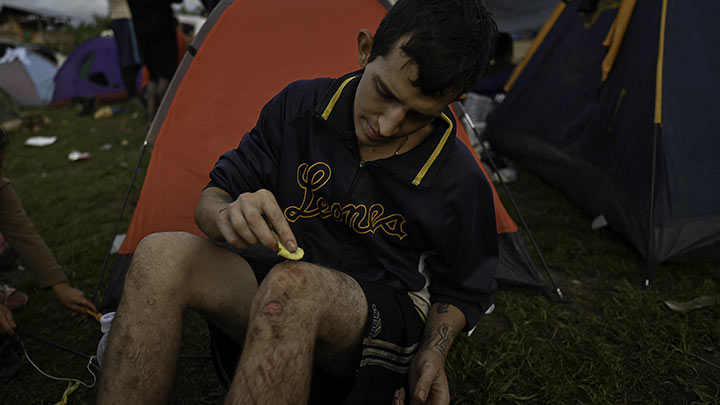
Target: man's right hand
x,y
250,219
7,323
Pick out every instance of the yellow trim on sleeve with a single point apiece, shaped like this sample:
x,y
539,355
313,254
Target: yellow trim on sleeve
x,y
659,74
436,152
335,98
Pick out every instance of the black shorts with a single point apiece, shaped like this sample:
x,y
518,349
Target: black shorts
x,y
392,337
160,54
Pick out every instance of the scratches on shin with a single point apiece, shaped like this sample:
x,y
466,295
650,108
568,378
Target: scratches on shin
x,y
297,275
273,309
249,387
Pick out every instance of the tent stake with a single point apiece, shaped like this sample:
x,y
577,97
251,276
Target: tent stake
x,y
143,149
652,264
525,226
51,343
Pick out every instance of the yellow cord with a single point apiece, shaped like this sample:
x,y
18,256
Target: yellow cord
x,y
96,315
70,389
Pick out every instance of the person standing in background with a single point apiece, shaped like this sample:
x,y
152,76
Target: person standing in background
x,y
155,28
127,47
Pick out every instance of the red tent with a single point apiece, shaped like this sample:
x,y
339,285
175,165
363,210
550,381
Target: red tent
x,y
245,53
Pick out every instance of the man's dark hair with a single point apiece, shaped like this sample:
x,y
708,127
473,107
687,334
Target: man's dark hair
x,y
450,41
504,47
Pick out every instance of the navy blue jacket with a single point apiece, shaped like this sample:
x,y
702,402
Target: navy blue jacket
x,y
429,209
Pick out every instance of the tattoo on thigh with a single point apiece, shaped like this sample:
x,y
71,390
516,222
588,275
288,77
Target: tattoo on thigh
x,y
442,308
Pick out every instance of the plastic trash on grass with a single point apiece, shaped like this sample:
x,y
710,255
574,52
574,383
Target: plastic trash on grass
x,y
40,141
77,155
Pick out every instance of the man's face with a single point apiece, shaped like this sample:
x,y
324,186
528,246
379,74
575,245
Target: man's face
x,y
387,105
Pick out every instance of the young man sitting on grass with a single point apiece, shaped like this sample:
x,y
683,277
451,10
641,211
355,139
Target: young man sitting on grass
x,y
394,215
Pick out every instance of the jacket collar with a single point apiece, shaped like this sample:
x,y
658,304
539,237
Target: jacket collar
x,y
417,166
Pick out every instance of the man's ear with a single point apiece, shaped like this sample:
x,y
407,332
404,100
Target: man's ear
x,y
365,43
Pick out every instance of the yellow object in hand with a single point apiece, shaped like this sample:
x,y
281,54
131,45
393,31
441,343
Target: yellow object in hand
x,y
297,255
96,315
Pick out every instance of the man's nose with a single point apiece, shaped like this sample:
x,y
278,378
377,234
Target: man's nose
x,y
391,119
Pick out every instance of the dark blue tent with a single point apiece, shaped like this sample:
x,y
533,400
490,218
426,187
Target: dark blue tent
x,y
642,147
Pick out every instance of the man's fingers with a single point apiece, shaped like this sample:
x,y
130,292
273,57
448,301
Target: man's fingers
x,y
258,223
87,303
239,216
399,398
424,382
277,221
7,323
252,218
228,232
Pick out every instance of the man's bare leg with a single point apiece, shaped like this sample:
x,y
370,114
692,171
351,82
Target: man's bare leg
x,y
301,312
170,273
152,98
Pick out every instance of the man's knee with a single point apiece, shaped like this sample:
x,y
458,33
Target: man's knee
x,y
158,260
289,286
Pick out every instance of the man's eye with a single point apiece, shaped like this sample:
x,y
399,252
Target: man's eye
x,y
384,95
418,117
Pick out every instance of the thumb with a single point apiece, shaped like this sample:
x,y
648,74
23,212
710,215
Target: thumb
x,y
424,382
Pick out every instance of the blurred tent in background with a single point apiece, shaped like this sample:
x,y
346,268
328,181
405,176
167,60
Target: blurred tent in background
x,y
8,110
27,77
90,70
617,105
521,18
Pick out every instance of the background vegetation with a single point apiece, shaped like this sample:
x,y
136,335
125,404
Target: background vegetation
x,y
613,342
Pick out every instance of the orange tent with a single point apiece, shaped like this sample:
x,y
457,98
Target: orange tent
x,y
246,52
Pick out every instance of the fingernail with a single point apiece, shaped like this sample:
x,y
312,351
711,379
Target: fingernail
x,y
421,395
290,246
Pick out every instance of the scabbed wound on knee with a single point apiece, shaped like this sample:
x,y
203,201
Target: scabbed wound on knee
x,y
273,309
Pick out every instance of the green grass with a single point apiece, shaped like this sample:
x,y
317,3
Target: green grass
x,y
612,343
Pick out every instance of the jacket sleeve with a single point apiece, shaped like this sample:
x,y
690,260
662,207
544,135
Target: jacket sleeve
x,y
463,271
20,232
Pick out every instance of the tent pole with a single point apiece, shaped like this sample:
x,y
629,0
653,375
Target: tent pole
x,y
652,262
143,149
525,226
51,343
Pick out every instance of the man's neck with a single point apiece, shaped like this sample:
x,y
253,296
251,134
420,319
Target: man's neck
x,y
402,145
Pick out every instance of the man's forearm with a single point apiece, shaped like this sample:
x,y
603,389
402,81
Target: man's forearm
x,y
211,202
444,322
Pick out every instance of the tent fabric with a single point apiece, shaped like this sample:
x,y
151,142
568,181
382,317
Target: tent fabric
x,y
520,16
657,184
242,60
95,57
27,77
8,110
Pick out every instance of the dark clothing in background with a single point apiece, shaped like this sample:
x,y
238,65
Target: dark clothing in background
x,y
128,53
155,28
